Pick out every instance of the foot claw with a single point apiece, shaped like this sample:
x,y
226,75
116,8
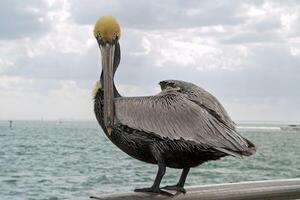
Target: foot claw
x,y
154,190
175,188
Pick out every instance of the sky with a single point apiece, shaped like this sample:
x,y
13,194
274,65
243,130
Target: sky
x,y
246,53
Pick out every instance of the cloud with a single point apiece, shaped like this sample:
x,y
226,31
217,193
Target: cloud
x,y
247,53
160,14
23,19
54,55
23,98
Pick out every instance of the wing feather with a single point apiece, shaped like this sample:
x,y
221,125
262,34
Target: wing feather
x,y
203,98
171,115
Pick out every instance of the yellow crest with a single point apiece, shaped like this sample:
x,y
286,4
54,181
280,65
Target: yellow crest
x,y
107,28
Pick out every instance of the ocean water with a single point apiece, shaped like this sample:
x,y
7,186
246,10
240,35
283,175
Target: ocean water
x,y
50,160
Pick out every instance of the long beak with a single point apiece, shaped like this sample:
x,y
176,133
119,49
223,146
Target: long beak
x,y
107,52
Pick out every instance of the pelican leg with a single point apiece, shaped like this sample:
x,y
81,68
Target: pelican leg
x,y
179,187
155,187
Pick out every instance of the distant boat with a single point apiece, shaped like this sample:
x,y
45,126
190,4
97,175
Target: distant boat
x,y
10,124
59,122
291,127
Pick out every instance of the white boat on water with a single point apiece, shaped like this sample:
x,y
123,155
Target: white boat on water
x,y
291,127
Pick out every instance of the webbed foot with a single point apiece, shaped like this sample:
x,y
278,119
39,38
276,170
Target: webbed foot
x,y
154,190
175,188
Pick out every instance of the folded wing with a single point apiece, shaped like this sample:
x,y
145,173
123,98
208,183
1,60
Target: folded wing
x,y
204,99
171,115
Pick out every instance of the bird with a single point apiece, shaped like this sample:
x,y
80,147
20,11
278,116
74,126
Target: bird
x,y
181,127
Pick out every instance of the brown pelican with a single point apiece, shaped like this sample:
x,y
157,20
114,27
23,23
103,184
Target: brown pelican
x,y
181,127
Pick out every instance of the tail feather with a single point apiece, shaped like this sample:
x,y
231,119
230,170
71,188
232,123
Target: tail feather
x,y
251,149
248,152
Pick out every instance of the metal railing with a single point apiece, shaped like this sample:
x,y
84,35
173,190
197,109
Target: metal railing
x,y
256,190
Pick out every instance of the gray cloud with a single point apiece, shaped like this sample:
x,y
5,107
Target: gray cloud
x,y
23,18
267,23
270,71
59,66
161,14
252,37
266,73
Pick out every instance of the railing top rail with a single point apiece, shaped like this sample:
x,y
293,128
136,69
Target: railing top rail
x,y
282,189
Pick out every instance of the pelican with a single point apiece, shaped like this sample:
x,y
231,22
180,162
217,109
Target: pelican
x,y
181,127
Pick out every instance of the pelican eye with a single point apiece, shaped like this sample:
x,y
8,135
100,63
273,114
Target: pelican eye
x,y
115,36
98,36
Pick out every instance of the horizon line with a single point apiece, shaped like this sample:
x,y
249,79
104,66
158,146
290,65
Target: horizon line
x,y
90,120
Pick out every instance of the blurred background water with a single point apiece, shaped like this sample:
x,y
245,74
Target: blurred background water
x,y
53,160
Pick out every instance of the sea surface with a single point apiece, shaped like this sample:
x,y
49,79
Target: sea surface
x,y
57,160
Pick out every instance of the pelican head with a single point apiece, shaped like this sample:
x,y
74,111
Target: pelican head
x,y
107,33
107,30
